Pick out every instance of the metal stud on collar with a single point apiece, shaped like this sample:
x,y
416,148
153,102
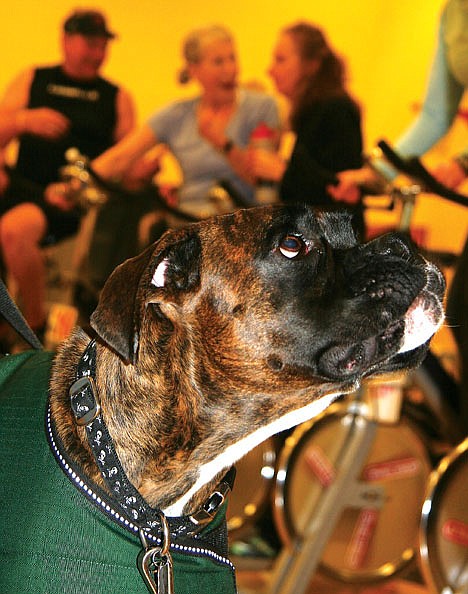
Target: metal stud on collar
x,y
84,403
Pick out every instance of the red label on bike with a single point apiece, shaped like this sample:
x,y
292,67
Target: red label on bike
x,y
320,465
392,469
456,531
361,539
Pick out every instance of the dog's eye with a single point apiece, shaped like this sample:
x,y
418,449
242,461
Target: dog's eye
x,y
292,246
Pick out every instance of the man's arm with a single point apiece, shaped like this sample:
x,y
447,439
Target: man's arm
x,y
12,104
126,114
17,119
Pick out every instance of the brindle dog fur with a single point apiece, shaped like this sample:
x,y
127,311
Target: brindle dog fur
x,y
235,328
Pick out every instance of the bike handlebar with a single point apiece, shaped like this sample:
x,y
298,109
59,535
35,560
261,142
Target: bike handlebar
x,y
416,170
115,190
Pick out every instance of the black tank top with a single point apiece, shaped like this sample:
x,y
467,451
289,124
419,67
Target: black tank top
x,y
91,107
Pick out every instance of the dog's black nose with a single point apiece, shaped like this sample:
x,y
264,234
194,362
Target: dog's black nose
x,y
343,361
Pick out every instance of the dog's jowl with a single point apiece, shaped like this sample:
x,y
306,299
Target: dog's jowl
x,y
210,341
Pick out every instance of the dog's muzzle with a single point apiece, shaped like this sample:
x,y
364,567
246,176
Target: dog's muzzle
x,y
409,333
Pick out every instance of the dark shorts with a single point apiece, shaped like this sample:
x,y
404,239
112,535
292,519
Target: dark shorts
x,y
60,224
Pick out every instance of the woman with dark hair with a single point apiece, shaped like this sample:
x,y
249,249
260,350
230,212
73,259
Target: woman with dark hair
x,y
325,119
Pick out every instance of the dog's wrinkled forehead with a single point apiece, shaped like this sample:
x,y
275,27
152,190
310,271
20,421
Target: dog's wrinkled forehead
x,y
259,224
333,228
337,229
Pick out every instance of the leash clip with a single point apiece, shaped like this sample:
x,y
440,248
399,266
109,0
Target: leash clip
x,y
155,563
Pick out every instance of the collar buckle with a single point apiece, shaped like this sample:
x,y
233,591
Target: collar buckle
x,y
84,403
210,508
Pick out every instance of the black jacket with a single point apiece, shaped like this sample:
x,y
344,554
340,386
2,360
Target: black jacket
x,y
329,140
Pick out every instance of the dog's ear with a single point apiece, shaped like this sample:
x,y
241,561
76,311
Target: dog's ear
x,y
156,275
176,268
113,319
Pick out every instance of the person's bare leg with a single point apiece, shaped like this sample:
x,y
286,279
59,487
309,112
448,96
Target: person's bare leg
x,y
21,231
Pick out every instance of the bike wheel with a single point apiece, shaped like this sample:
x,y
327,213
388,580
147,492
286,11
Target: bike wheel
x,y
444,524
370,541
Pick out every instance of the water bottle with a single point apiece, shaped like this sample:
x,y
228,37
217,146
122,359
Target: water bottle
x,y
264,137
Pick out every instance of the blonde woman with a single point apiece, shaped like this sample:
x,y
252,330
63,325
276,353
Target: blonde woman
x,y
208,134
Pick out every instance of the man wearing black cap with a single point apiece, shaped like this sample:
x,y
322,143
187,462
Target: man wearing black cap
x,y
49,110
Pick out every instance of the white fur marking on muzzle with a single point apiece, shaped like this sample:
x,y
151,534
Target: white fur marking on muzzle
x,y
421,323
159,276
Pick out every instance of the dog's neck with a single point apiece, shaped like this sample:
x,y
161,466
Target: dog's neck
x,y
176,454
237,450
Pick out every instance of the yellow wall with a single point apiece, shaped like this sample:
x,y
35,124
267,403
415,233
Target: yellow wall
x,y
388,45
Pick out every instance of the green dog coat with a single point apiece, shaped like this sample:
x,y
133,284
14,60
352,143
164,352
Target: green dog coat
x,y
53,540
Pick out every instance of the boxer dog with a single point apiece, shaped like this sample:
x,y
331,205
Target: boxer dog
x,y
213,339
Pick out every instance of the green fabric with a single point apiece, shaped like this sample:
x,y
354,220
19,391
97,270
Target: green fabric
x,y
52,540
